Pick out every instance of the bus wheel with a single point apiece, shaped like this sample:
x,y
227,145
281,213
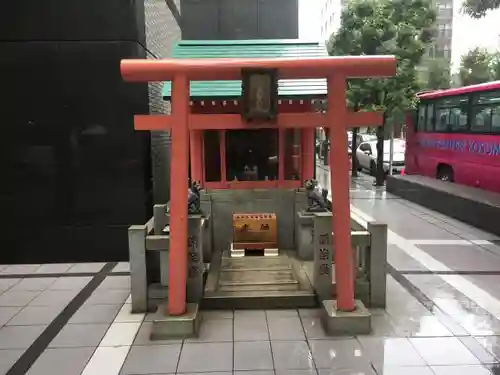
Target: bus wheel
x,y
373,168
445,173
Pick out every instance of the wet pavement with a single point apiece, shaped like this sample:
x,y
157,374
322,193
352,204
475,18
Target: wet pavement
x,y
442,316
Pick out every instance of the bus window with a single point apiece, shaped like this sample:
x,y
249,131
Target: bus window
x,y
458,119
495,119
421,117
442,119
481,119
492,97
429,125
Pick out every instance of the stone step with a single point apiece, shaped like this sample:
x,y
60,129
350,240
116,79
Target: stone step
x,y
256,263
260,299
253,277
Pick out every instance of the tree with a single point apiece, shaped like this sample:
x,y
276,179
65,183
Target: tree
x,y
403,28
478,66
437,75
479,8
495,67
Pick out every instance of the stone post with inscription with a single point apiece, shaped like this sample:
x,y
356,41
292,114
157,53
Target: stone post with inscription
x,y
194,286
323,249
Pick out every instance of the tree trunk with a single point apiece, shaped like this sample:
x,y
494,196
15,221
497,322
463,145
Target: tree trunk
x,y
380,173
354,159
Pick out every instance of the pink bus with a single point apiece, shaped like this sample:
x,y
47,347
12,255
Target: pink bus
x,y
456,136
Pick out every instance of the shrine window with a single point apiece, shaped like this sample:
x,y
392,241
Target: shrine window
x,y
211,145
252,155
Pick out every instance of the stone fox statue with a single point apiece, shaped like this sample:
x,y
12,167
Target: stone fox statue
x,y
194,198
316,197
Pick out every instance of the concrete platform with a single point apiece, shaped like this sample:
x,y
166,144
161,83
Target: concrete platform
x,y
476,207
257,282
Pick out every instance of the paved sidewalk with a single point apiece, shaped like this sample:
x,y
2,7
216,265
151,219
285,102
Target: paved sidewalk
x,y
442,316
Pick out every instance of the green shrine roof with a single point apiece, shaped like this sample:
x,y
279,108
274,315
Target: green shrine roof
x,y
288,88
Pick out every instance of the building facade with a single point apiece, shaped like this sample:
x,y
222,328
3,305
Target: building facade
x,y
330,12
75,173
239,19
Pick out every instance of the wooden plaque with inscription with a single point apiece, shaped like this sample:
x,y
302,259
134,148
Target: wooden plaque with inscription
x,y
255,231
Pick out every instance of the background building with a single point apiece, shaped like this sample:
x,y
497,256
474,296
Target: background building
x,y
330,19
330,12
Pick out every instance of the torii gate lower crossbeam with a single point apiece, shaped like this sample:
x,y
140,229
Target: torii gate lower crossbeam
x,y
182,71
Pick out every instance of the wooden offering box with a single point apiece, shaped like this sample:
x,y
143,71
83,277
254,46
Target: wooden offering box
x,y
256,231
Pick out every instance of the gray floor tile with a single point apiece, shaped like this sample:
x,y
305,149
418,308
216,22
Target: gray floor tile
x,y
253,356
382,326
444,351
76,335
311,371
95,314
19,337
386,370
286,329
61,361
151,360
455,328
15,298
18,269
54,268
122,267
217,314
215,330
313,328
460,370
478,350
86,267
208,357
116,282
143,336
7,313
310,313
249,314
338,354
108,297
8,357
35,315
54,297
424,326
292,355
250,327
37,284
391,352
282,313
360,370
491,344
6,284
70,283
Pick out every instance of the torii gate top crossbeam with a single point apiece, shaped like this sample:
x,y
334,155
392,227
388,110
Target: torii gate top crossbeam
x,y
230,69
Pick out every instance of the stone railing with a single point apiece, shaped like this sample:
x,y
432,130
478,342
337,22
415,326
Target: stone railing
x,y
369,245
149,247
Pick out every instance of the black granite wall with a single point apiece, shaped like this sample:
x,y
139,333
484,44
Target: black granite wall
x,y
75,173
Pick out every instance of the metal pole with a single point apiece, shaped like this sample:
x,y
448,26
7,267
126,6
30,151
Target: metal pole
x,y
391,148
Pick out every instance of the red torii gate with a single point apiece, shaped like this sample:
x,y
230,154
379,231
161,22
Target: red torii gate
x,y
182,122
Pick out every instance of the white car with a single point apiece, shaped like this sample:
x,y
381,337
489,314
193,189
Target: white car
x,y
366,155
